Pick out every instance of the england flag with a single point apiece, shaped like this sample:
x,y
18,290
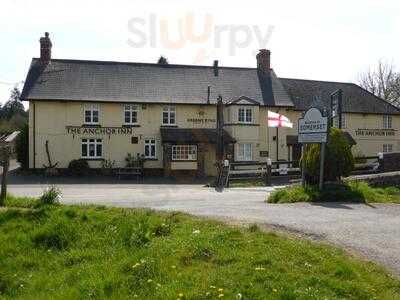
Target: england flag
x,y
277,120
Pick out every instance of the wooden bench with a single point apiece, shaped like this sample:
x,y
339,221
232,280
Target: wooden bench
x,y
130,171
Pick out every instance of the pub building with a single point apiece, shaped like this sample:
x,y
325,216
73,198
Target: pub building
x,y
100,110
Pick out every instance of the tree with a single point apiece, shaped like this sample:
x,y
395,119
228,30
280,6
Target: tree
x,y
163,61
339,160
383,81
13,114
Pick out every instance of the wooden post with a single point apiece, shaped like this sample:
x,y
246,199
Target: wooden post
x,y
5,164
321,167
302,166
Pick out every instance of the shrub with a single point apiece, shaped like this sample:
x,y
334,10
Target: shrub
x,y
22,147
78,167
339,160
50,195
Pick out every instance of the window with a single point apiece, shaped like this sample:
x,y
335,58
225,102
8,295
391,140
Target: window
x,y
91,114
130,114
168,115
245,115
92,148
387,122
336,120
150,148
387,148
244,152
184,152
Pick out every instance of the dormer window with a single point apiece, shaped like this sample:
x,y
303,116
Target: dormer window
x,y
91,112
245,115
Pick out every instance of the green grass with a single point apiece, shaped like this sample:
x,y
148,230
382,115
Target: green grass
x,y
352,191
93,252
247,183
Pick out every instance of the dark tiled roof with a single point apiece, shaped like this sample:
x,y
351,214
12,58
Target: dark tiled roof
x,y
200,135
355,98
80,80
140,82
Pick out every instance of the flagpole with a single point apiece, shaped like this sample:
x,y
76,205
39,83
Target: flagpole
x,y
277,144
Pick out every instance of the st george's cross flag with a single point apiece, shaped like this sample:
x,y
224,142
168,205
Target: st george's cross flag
x,y
277,120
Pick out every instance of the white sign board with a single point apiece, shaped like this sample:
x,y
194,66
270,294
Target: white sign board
x,y
313,127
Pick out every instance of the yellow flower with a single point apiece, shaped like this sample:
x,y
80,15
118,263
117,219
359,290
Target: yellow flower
x,y
275,290
220,290
180,295
211,286
173,267
220,295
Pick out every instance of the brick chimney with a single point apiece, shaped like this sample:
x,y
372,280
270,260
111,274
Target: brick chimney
x,y
45,48
264,60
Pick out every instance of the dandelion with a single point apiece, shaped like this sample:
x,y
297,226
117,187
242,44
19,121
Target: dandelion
x,y
211,286
135,265
275,290
220,295
220,290
180,295
196,231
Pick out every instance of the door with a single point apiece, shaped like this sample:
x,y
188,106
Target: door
x,y
296,154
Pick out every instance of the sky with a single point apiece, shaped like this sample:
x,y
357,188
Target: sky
x,y
334,41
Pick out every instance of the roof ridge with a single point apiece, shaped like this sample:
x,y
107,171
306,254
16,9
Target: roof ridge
x,y
143,63
326,81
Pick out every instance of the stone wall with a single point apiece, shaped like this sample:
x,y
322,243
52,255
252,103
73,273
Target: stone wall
x,y
390,162
380,179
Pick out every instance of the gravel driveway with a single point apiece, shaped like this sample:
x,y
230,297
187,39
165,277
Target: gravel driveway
x,y
371,230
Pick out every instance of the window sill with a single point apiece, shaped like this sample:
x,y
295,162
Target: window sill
x,y
166,125
151,159
92,159
130,125
242,124
183,160
91,125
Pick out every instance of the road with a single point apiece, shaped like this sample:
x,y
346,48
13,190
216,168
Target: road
x,y
371,230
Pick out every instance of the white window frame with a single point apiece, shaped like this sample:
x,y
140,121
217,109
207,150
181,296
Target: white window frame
x,y
170,112
184,152
387,122
150,143
133,112
242,152
93,110
89,142
247,115
387,148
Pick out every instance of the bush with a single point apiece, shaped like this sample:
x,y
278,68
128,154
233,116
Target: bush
x,y
50,195
339,160
78,167
22,146
351,191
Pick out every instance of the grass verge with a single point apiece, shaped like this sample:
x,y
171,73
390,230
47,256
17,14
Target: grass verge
x,y
352,191
71,252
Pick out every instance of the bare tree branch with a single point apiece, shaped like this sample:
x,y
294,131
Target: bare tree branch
x,y
383,81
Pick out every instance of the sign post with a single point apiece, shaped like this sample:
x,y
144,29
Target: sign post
x,y
312,129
